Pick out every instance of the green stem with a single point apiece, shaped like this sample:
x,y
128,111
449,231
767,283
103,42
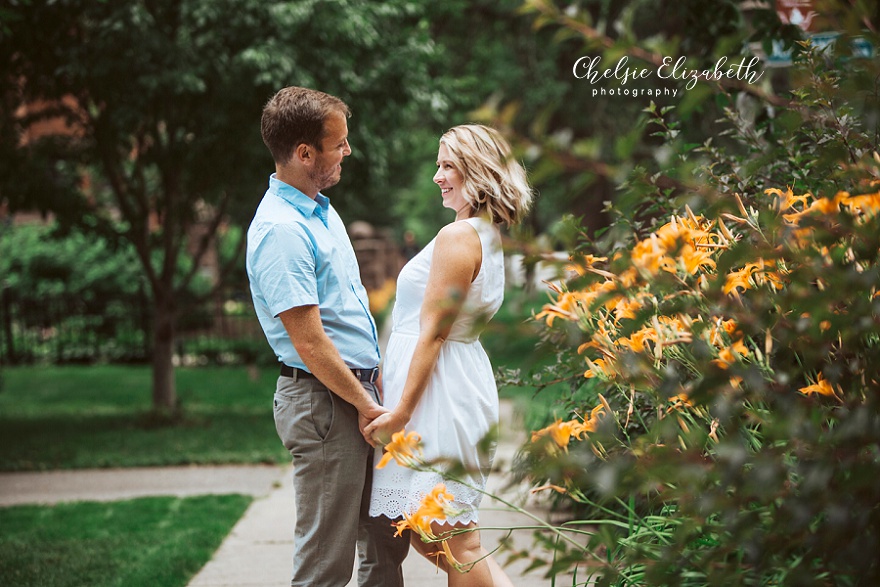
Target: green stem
x,y
544,525
456,531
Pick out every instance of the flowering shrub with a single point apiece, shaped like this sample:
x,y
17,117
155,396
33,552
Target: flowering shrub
x,y
732,353
703,335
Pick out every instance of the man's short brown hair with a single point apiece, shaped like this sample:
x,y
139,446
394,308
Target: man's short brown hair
x,y
294,116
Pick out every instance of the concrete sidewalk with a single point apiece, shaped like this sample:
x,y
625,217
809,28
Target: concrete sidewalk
x,y
48,487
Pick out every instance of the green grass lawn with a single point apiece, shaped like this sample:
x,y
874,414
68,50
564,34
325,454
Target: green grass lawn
x,y
156,541
99,416
61,417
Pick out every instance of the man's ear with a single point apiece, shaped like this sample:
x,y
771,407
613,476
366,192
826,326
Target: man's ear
x,y
304,153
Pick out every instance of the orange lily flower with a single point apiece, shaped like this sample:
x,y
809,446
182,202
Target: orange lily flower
x,y
740,278
693,259
679,402
770,277
650,255
728,356
730,326
824,206
403,448
822,387
626,308
562,432
434,507
581,264
787,200
864,204
590,424
602,366
636,341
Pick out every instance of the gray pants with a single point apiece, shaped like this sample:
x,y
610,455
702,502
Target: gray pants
x,y
332,478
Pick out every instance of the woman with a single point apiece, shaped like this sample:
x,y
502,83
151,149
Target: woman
x,y
438,380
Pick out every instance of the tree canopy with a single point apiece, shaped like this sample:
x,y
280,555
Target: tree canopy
x,y
158,106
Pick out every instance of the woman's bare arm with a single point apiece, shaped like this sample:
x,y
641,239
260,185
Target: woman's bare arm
x,y
454,265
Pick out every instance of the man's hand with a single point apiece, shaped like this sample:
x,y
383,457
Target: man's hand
x,y
368,416
381,428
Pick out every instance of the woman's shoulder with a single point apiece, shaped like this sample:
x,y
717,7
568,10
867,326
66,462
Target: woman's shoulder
x,y
457,237
460,229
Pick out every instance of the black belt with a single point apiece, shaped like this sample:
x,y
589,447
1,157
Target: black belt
x,y
368,375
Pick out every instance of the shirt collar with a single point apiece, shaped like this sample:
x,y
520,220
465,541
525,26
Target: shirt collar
x,y
306,205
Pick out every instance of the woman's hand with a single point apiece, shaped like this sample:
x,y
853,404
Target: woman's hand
x,y
364,419
381,429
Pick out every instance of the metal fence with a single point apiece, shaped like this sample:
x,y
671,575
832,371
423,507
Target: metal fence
x,y
65,330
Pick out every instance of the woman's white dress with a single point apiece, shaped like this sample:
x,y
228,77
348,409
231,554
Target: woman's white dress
x,y
460,404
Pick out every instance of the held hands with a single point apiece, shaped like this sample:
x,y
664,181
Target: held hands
x,y
379,431
370,415
366,417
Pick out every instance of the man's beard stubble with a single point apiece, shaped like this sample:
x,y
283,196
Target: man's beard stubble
x,y
324,178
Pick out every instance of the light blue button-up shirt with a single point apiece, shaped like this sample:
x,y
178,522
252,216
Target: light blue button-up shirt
x,y
298,254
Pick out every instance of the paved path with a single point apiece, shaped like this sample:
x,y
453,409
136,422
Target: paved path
x,y
114,484
258,551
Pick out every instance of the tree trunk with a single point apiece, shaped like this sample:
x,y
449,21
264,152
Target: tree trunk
x,y
164,319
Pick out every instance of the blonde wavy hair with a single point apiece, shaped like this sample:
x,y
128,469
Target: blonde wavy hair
x,y
492,179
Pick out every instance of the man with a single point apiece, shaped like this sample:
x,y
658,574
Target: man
x,y
313,309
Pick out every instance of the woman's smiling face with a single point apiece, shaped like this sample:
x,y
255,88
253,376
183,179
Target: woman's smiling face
x,y
450,181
